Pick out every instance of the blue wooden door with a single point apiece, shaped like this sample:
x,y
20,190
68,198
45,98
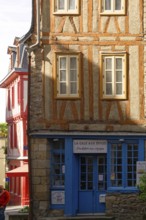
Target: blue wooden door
x,y
92,183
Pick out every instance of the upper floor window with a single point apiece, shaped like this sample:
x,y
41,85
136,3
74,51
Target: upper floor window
x,y
66,6
67,75
113,76
112,7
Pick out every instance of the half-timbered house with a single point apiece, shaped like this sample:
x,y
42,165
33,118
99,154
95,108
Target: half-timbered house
x,y
16,83
86,107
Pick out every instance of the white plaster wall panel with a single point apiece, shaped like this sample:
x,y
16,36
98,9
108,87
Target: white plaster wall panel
x,y
104,19
121,23
58,20
46,16
107,38
120,48
144,18
106,48
96,83
134,82
86,84
114,114
85,15
86,39
49,63
95,15
134,17
74,48
112,26
76,23
68,28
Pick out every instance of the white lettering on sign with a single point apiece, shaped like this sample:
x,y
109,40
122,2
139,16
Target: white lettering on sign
x,y
89,146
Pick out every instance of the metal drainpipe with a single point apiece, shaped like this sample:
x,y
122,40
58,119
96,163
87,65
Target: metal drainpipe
x,y
32,47
29,50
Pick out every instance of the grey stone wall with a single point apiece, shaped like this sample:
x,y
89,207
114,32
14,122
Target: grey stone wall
x,y
40,171
125,206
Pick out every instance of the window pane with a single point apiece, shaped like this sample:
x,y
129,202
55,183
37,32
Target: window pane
x,y
57,163
119,63
56,158
62,88
73,88
61,4
62,63
132,158
71,4
108,76
62,75
118,88
108,63
73,63
116,165
118,76
107,4
109,89
73,75
118,4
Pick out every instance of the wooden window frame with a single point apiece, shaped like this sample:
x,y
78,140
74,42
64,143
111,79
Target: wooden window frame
x,y
112,11
114,82
68,94
66,9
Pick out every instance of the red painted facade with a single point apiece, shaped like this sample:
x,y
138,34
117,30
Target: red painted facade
x,y
16,83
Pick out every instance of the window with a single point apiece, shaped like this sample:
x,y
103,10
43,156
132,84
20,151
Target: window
x,y
13,97
66,6
112,7
58,164
123,160
18,91
113,76
9,100
67,75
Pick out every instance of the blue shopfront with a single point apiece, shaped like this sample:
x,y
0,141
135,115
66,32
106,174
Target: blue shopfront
x,y
85,168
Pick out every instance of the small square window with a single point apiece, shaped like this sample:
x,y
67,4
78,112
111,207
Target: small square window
x,y
66,6
113,76
112,7
67,75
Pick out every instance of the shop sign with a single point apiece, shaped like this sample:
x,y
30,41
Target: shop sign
x,y
140,170
89,146
57,198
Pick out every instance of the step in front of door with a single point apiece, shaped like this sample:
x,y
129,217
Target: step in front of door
x,y
80,218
